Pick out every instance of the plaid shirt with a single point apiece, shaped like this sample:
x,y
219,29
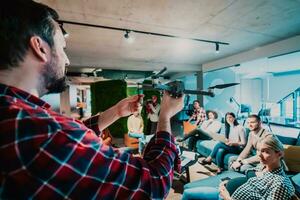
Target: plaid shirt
x,y
199,115
45,155
274,185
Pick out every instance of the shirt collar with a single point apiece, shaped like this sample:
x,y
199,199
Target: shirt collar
x,y
278,170
259,133
6,90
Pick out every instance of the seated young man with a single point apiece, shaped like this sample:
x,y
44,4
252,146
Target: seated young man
x,y
245,160
135,125
199,114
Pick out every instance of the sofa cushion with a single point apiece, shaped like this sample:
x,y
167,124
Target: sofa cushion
x,y
292,158
287,140
213,181
296,182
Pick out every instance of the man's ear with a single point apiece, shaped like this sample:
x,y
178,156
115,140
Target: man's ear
x,y
39,48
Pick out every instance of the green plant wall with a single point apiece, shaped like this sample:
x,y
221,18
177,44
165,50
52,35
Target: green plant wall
x,y
147,95
105,94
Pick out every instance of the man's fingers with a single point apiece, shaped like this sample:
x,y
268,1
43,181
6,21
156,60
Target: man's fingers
x,y
135,98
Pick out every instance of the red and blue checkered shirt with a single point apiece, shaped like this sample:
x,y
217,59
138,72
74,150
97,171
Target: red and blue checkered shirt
x,y
45,155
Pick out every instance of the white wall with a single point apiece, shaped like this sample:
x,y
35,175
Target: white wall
x,y
281,86
251,93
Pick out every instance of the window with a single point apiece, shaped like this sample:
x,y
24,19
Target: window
x,y
287,107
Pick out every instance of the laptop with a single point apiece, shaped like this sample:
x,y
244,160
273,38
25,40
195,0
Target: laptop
x,y
215,136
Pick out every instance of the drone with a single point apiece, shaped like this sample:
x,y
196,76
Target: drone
x,y
176,88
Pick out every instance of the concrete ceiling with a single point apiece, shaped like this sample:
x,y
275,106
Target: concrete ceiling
x,y
245,24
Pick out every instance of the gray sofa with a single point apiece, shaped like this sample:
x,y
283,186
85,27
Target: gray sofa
x,y
208,188
204,147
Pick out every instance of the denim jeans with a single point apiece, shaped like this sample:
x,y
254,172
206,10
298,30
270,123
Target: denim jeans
x,y
221,148
141,138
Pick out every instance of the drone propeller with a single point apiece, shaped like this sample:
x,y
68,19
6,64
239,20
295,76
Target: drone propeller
x,y
199,92
221,86
157,75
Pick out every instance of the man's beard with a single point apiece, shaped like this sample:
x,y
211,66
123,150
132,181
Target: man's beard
x,y
53,82
256,129
57,86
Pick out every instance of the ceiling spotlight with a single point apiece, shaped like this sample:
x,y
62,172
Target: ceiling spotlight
x,y
95,71
129,38
217,48
127,34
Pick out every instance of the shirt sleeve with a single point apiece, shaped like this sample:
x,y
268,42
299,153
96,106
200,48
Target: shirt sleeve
x,y
77,158
129,126
244,154
242,135
93,123
142,125
280,191
215,126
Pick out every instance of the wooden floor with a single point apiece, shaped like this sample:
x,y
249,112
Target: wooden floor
x,y
197,171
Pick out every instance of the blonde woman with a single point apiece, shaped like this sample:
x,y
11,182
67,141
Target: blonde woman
x,y
267,181
270,180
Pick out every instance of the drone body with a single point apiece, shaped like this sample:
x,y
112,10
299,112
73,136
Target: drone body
x,y
177,89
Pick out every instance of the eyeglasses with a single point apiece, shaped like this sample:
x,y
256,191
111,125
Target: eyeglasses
x,y
64,32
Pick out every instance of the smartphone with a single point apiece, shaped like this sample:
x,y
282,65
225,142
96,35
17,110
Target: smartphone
x,y
225,179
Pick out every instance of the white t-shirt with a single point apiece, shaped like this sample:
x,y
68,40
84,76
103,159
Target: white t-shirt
x,y
211,125
135,124
154,116
237,134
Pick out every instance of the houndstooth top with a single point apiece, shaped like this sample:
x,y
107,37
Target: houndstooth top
x,y
274,185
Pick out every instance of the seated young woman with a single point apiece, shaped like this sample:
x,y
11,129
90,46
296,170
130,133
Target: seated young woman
x,y
236,141
210,125
268,182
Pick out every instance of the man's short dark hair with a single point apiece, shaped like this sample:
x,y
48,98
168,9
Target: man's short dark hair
x,y
257,118
19,21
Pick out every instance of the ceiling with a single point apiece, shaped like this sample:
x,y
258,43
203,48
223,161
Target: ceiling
x,y
245,24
